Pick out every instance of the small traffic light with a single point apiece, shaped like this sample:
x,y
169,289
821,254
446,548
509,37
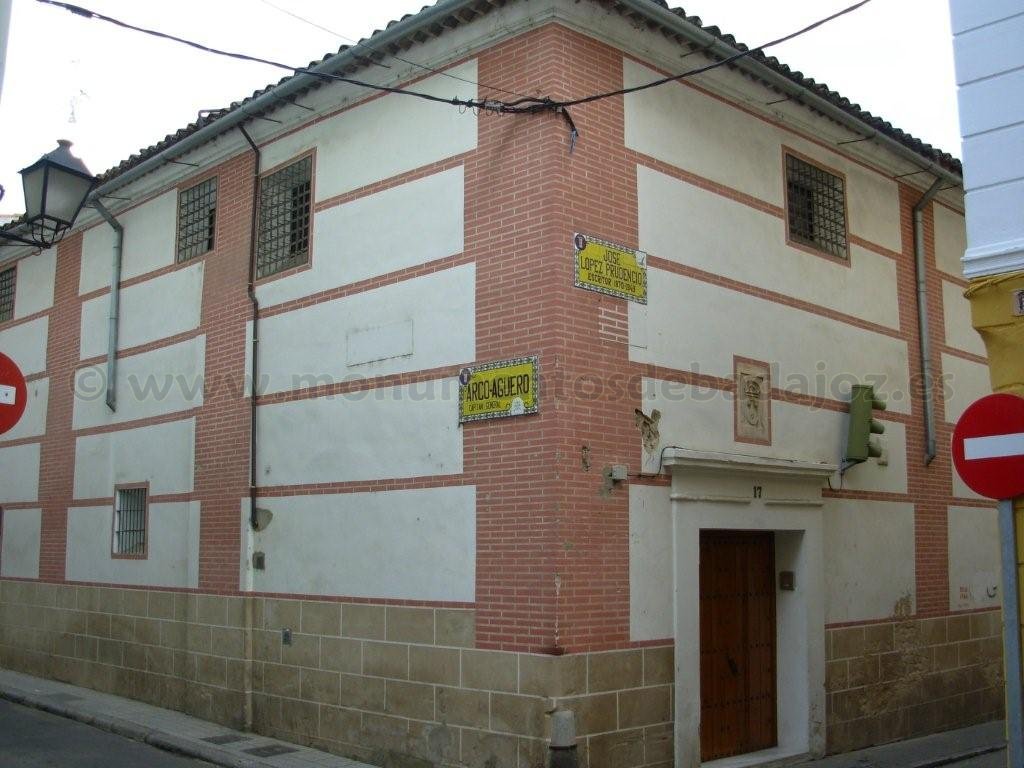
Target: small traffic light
x,y
859,441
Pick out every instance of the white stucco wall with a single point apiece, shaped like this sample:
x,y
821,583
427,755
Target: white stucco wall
x,y
161,454
35,280
148,311
149,241
19,473
172,542
403,431
33,420
20,543
154,383
869,558
400,227
683,127
872,476
702,419
974,572
385,136
692,325
956,312
411,544
677,223
950,240
966,381
419,324
25,344
650,563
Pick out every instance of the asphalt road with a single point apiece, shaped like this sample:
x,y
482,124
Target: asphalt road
x,y
33,739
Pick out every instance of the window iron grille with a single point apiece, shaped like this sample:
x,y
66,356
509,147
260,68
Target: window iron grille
x,y
816,203
283,234
197,215
130,522
7,294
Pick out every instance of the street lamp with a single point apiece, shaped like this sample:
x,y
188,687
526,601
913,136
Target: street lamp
x,y
56,187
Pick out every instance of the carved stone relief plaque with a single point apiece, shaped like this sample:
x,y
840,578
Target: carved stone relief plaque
x,y
753,402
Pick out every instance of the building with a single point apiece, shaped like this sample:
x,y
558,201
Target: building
x,y
988,68
400,586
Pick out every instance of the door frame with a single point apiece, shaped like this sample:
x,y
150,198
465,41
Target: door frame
x,y
712,491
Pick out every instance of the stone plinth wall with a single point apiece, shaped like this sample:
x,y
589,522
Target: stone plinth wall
x,y
392,685
909,677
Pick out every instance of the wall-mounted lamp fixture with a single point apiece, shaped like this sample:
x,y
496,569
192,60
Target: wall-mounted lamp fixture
x,y
56,187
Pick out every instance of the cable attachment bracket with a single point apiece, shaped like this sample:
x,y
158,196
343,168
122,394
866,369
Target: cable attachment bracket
x,y
574,134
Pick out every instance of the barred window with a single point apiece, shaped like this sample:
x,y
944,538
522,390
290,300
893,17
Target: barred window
x,y
283,237
816,207
7,294
130,522
197,214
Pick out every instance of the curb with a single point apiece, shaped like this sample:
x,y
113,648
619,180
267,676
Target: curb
x,y
126,728
931,762
210,753
958,756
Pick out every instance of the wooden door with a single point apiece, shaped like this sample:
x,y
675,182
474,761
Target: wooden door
x,y
737,643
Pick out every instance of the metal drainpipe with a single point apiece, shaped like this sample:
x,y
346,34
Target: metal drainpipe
x,y
922,320
255,362
115,300
254,371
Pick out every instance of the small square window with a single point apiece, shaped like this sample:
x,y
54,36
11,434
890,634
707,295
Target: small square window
x,y
816,207
7,294
131,515
197,218
283,236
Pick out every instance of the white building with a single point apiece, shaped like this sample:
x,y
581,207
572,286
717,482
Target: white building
x,y
443,584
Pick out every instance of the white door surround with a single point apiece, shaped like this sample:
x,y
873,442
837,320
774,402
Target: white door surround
x,y
713,490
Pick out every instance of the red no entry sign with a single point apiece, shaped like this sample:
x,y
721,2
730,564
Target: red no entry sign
x,y
988,446
13,393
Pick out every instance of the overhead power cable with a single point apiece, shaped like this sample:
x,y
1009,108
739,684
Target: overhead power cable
x,y
356,44
524,105
89,14
699,70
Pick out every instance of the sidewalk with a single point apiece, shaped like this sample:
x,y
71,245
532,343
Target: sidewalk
x,y
163,728
926,752
196,738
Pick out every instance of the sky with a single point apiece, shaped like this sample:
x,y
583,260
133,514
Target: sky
x,y
112,91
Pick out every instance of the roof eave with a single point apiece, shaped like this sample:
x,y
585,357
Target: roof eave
x,y
273,96
717,47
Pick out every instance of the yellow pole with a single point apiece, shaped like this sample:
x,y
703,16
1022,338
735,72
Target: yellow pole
x,y
997,313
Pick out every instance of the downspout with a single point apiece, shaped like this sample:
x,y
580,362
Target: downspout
x,y
922,321
115,301
248,713
254,368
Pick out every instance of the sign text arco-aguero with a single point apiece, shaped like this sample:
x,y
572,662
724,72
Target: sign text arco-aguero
x,y
496,390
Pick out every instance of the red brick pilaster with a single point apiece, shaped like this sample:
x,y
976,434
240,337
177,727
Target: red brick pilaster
x,y
512,182
222,425
57,452
930,487
552,549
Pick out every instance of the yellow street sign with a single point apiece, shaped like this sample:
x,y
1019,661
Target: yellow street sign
x,y
495,390
609,268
